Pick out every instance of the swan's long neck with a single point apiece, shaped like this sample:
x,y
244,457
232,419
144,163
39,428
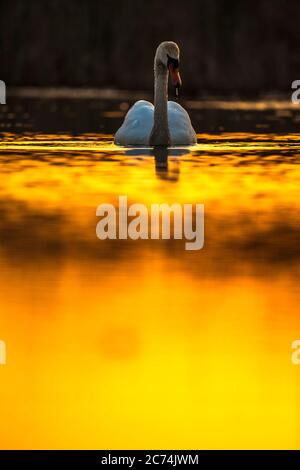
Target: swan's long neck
x,y
160,133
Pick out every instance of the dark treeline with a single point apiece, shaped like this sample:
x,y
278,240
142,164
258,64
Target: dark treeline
x,y
226,45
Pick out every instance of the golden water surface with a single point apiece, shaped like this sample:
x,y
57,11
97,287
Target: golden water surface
x,y
141,344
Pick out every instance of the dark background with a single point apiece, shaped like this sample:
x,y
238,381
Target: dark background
x,y
227,46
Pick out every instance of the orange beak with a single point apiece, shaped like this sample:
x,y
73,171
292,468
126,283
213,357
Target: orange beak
x,y
175,76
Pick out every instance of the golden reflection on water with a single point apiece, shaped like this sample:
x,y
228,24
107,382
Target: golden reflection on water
x,y
142,344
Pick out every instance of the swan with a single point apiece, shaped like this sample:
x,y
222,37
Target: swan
x,y
166,123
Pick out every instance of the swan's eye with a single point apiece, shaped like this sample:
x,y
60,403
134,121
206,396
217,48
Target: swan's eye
x,y
174,62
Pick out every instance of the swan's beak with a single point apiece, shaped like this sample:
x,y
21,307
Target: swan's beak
x,y
175,76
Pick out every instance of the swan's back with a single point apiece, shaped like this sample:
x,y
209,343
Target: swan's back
x,y
180,126
137,125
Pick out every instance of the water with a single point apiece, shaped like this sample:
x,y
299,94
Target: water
x,y
141,344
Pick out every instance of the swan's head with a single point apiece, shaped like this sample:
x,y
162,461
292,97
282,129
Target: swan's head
x,y
167,55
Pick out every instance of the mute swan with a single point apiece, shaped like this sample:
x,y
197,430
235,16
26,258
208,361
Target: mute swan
x,y
166,123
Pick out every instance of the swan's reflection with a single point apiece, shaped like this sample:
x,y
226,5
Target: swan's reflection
x,y
161,158
161,154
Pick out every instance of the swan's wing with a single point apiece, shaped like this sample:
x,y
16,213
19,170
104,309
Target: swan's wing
x,y
180,126
137,125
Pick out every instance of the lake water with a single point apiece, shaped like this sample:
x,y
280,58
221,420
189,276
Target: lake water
x,y
141,344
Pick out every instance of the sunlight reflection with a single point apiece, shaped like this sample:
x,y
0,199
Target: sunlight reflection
x,y
104,338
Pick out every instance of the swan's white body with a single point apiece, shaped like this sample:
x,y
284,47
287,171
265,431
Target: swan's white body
x,y
138,124
166,123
